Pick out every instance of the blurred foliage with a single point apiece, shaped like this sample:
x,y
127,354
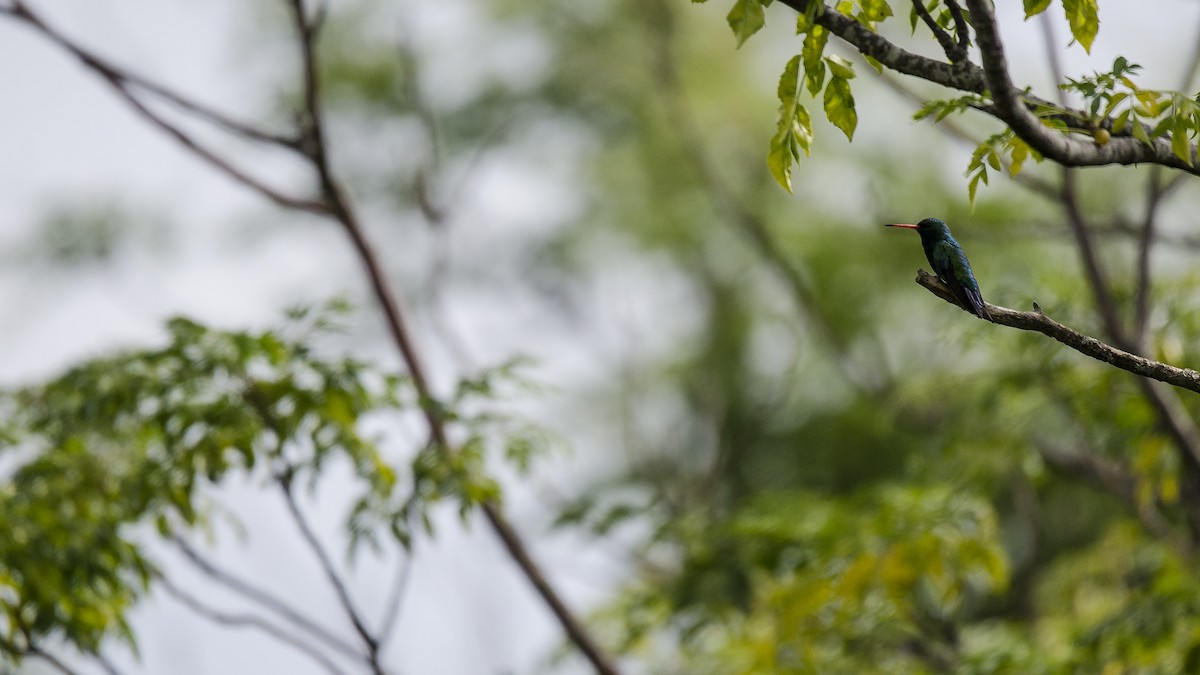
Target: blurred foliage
x,y
120,443
827,470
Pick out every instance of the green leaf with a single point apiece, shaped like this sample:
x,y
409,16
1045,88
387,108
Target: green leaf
x,y
814,65
795,128
1083,16
873,11
1035,7
839,106
1179,141
1139,132
840,67
746,18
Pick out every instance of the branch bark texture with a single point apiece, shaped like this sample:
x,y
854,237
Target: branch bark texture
x,y
1037,321
1012,106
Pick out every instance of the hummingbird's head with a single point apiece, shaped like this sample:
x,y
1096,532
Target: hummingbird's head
x,y
926,228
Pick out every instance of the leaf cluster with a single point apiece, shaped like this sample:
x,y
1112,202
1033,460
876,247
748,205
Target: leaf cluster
x,y
123,442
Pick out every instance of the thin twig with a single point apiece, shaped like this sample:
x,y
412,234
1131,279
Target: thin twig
x,y
35,651
122,84
396,596
341,210
235,620
266,600
331,574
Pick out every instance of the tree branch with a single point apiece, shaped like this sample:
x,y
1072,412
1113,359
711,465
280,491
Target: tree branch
x,y
121,82
951,49
242,620
964,76
961,29
1062,148
341,210
1037,321
1012,106
266,600
339,587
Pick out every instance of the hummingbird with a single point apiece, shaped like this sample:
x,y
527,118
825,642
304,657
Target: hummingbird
x,y
949,263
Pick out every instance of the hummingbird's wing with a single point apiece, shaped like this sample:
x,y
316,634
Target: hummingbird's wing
x,y
950,263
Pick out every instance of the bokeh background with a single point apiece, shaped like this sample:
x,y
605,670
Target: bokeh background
x,y
756,409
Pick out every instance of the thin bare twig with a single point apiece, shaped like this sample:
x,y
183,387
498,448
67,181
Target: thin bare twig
x,y
331,574
235,620
123,84
266,600
396,596
49,658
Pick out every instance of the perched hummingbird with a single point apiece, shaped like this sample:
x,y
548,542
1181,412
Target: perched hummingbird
x,y
949,263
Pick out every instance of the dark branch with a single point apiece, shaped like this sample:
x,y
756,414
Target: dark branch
x,y
948,46
965,76
1011,107
1112,478
961,30
1037,321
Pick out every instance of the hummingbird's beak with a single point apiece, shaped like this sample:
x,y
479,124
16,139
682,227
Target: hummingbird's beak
x,y
906,225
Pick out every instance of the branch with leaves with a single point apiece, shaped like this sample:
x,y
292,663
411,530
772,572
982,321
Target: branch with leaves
x,y
1135,126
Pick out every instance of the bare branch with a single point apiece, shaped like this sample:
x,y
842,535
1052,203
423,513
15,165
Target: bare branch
x,y
965,76
234,620
49,658
1013,107
331,573
341,210
124,84
396,597
265,600
1037,321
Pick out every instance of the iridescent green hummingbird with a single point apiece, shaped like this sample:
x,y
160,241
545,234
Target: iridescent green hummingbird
x,y
949,263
